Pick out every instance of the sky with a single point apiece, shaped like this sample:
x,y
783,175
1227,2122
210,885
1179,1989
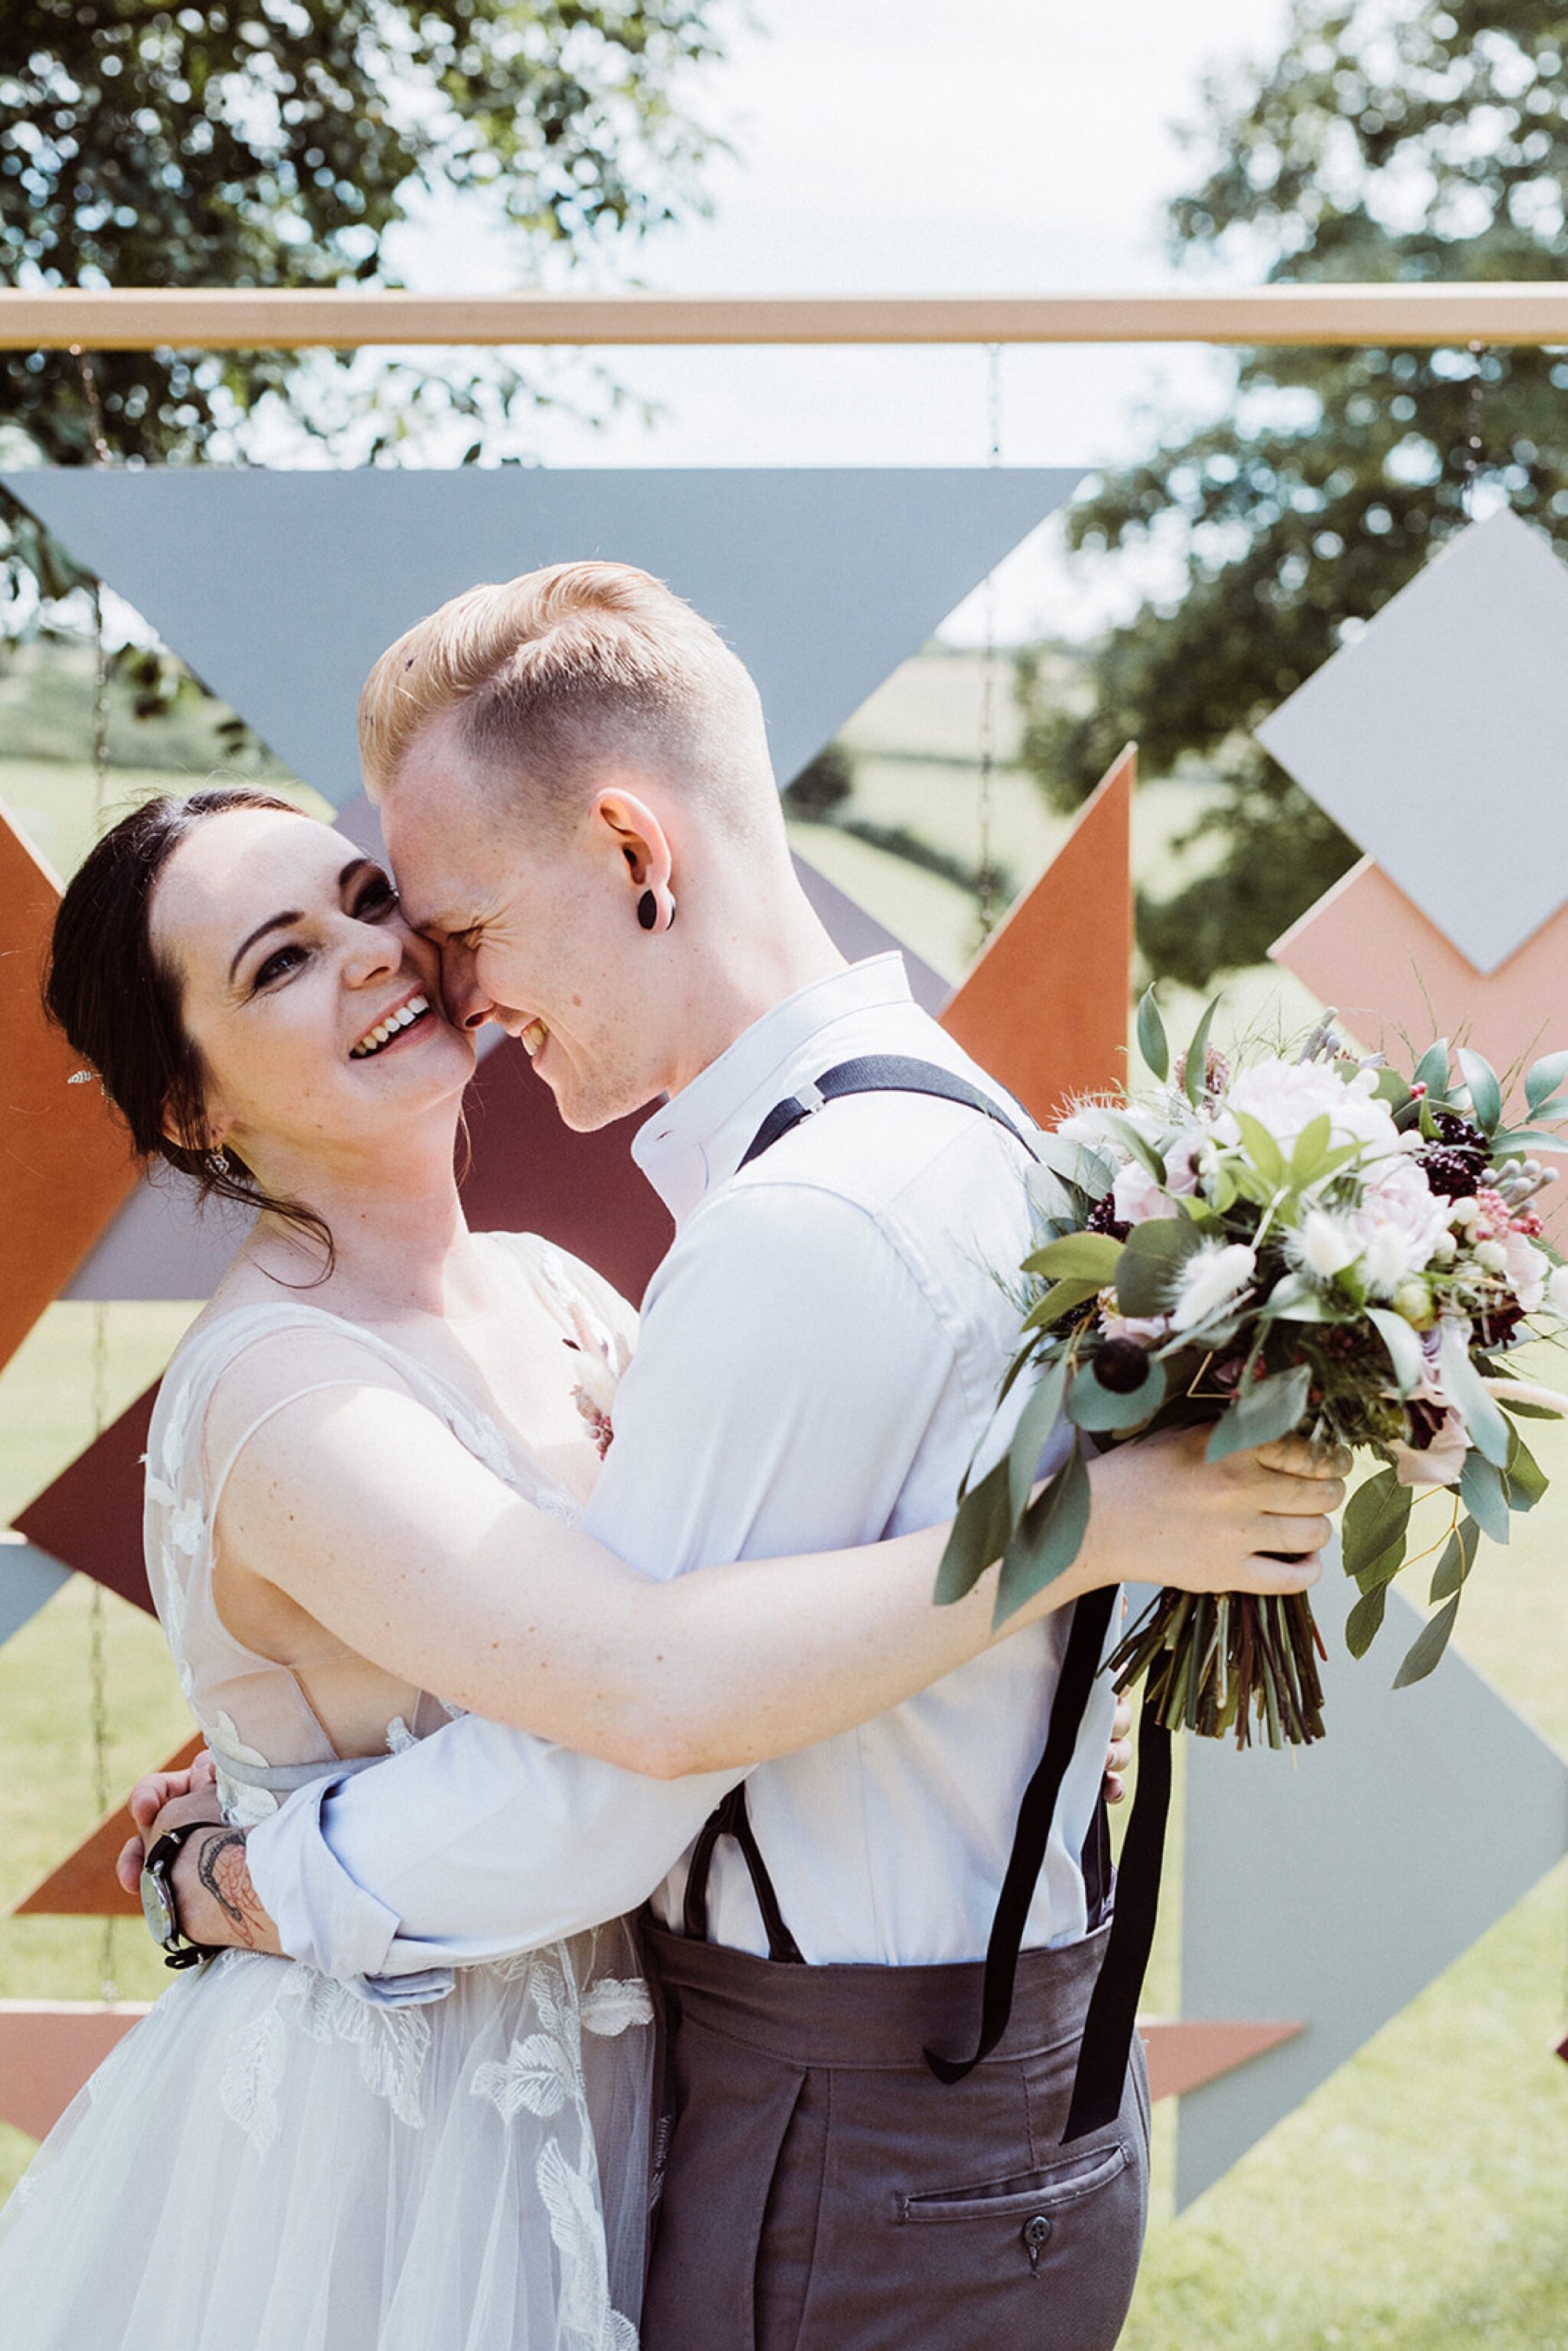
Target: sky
x,y
898,145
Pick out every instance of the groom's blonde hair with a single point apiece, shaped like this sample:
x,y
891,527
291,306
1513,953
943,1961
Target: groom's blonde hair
x,y
557,677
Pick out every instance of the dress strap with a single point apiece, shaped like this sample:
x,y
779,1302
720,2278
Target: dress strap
x,y
280,1404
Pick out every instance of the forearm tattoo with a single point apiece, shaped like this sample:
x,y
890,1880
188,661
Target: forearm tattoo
x,y
222,1870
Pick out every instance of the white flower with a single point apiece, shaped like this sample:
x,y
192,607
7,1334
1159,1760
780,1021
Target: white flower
x,y
1557,1292
1525,1269
1213,1278
1286,1096
1137,1197
1491,1256
1398,1224
1324,1244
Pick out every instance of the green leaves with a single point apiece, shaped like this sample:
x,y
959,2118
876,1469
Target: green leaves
x,y
1153,1042
1270,1409
1404,1347
1152,1256
1486,1093
1197,1071
1485,1495
1463,1387
1038,1418
1458,1558
1427,1646
1377,1517
1046,1540
1542,1080
1364,1622
1078,1256
1059,1299
1432,1068
981,1534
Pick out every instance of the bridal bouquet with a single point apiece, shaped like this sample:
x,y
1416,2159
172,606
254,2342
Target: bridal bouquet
x,y
1316,1244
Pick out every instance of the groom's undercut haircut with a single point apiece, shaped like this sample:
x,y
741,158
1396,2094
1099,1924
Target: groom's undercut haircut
x,y
566,674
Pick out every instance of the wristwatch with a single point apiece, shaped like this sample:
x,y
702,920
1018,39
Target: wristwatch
x,y
158,1898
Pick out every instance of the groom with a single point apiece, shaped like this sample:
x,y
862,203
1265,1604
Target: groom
x,y
579,805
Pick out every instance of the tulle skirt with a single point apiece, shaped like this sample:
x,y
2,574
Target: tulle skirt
x,y
269,2163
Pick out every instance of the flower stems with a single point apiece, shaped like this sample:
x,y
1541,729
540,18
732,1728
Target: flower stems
x,y
1217,1662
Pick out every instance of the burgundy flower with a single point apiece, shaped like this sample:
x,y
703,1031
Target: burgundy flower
x,y
1119,1364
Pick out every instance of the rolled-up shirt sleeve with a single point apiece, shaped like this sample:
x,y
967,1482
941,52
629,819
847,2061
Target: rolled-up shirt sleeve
x,y
478,1842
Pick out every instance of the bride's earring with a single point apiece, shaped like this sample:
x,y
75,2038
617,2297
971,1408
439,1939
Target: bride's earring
x,y
218,1163
656,909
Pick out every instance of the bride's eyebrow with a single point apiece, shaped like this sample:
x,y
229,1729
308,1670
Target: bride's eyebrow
x,y
285,921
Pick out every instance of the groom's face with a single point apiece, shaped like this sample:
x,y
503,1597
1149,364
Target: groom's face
x,y
536,928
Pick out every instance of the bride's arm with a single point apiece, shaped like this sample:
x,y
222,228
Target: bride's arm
x,y
362,1506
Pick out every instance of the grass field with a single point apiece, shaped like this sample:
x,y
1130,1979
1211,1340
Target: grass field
x,y
1416,2202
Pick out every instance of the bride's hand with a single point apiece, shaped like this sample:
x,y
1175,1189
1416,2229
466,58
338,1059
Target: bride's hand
x,y
149,1798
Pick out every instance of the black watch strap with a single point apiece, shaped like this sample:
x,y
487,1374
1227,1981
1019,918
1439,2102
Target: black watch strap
x,y
178,1951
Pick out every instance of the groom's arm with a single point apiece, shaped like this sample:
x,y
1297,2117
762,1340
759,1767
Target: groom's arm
x,y
787,1367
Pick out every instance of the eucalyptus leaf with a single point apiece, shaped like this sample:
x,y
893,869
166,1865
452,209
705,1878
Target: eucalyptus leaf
x,y
1432,1068
1061,1299
1093,1406
1463,1387
1526,1481
1152,1257
1046,1540
1153,1042
1543,1079
980,1532
1377,1513
1261,1149
1039,1418
1551,1107
1294,1298
1271,1409
1427,1646
1404,1347
1198,1056
1458,1558
1136,1143
1386,1566
1078,1256
1484,1493
1365,1620
1486,1095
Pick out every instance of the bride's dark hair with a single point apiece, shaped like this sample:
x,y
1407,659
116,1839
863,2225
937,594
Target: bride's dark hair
x,y
118,1000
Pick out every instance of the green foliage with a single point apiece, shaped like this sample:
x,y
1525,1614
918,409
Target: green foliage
x,y
283,143
1425,141
823,786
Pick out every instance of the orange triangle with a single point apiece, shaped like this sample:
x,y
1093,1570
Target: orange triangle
x,y
1188,2052
1044,1008
65,1163
47,2049
84,1884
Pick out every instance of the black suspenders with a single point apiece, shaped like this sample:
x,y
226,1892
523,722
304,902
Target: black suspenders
x,y
1108,2032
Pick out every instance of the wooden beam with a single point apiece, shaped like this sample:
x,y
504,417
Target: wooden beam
x,y
136,318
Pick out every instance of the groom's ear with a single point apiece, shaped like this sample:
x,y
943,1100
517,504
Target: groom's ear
x,y
639,839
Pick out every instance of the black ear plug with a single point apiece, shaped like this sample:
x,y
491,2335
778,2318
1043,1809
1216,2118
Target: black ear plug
x,y
647,910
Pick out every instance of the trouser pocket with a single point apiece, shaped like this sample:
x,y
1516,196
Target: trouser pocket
x,y
1051,2254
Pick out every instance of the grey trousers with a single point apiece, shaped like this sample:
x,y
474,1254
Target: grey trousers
x,y
822,2191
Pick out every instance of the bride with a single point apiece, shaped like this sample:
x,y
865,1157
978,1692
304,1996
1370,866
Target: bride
x,y
363,1478
270,2161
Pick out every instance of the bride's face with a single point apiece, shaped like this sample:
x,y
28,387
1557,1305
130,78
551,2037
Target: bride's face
x,y
294,959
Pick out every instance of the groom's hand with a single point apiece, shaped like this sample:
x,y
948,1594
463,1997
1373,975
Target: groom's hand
x,y
1164,1513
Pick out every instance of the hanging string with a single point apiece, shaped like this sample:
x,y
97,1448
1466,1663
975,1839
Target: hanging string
x,y
98,1622
1473,443
986,878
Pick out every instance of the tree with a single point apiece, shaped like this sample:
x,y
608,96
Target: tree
x,y
1388,142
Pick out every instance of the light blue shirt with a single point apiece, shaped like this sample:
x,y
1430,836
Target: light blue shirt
x,y
818,1358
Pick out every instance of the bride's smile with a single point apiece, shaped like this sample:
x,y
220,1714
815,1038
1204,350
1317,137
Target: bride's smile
x,y
314,1008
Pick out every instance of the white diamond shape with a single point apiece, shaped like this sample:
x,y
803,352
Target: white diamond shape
x,y
1439,739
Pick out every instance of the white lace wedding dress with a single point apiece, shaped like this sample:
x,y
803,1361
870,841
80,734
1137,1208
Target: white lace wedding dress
x,y
270,2162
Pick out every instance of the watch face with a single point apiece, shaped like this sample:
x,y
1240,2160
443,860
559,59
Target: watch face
x,y
156,1907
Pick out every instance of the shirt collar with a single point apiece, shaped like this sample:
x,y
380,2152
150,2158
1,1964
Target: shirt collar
x,y
700,1134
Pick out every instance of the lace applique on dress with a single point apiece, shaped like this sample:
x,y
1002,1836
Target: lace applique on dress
x,y
542,2075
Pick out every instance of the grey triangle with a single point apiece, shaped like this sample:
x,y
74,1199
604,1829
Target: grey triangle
x,y
1332,1886
279,589
29,1577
